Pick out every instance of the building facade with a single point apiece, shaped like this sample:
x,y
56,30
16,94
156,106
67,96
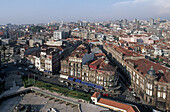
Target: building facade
x,y
146,78
82,65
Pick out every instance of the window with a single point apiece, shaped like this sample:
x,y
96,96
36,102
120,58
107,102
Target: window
x,y
104,83
147,91
159,87
142,86
137,82
72,64
150,93
71,72
75,73
159,94
78,72
137,76
65,70
164,89
150,86
164,95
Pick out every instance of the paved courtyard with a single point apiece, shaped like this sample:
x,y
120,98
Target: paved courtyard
x,y
39,103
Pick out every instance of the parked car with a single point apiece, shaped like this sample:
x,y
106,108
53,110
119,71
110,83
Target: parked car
x,y
61,81
48,76
19,68
30,66
52,110
105,95
26,69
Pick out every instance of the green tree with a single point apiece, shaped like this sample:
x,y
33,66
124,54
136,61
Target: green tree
x,y
161,60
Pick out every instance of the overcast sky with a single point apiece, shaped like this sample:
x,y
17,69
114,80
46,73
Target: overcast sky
x,y
43,11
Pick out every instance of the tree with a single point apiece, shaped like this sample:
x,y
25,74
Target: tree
x,y
161,60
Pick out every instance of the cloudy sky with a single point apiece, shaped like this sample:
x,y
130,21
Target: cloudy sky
x,y
42,11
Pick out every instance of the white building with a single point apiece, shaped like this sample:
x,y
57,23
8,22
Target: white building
x,y
60,34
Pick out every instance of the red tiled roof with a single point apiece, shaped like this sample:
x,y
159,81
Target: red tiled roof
x,y
79,51
126,107
100,54
143,65
1,33
96,94
132,42
126,52
95,63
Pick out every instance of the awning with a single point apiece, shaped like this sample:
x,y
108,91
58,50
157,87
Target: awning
x,y
90,84
77,80
84,83
70,78
99,87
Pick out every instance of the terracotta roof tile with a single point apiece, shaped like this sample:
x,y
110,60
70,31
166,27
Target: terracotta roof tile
x,y
126,107
143,65
96,94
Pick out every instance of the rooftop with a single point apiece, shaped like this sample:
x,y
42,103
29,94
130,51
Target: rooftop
x,y
123,106
101,64
96,94
79,52
126,52
143,65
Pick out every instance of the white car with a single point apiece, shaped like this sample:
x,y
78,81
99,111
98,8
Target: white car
x,y
61,81
19,68
48,77
30,66
134,94
52,110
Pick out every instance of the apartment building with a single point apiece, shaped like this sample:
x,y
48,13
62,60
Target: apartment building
x,y
47,59
83,67
146,78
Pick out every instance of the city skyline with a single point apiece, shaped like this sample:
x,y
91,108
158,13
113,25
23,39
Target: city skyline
x,y
43,11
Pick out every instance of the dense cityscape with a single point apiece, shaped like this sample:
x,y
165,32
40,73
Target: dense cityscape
x,y
85,56
117,65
